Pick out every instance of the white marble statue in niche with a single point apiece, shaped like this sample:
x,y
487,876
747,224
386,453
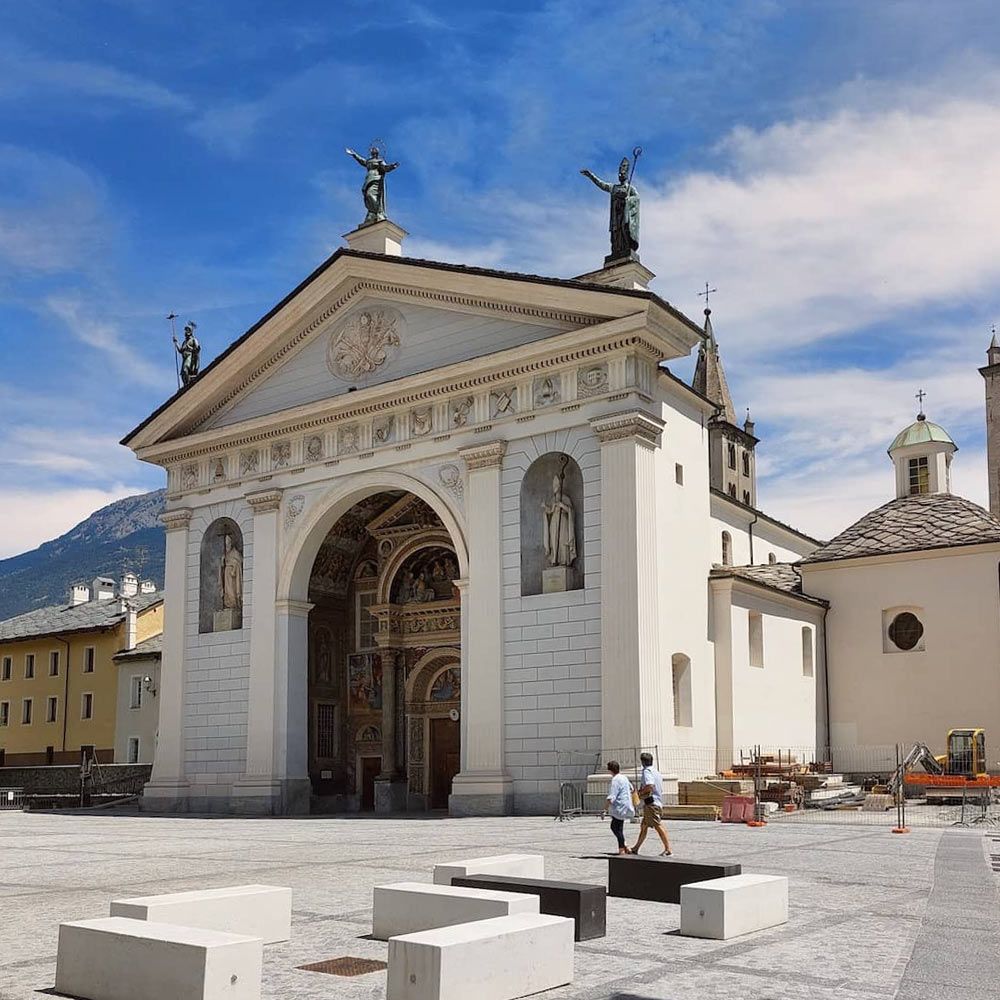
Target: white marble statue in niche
x,y
221,577
559,529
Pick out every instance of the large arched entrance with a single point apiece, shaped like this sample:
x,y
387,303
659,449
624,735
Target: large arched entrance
x,y
384,661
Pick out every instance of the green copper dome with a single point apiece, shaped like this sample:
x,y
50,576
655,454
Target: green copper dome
x,y
921,431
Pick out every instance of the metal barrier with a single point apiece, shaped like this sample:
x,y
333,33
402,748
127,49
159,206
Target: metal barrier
x,y
583,777
11,798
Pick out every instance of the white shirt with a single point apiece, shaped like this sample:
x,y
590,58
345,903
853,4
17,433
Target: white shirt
x,y
650,776
620,797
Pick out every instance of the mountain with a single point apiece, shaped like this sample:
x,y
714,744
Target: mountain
x,y
125,535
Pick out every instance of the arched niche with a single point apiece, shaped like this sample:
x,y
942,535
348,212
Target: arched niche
x,y
220,592
552,538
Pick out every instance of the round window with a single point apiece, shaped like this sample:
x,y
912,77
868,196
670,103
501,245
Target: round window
x,y
906,630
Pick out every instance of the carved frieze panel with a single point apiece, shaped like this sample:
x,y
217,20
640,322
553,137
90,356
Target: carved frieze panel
x,y
189,476
348,440
421,421
546,391
384,430
314,448
461,411
249,462
219,470
365,342
281,454
592,381
503,401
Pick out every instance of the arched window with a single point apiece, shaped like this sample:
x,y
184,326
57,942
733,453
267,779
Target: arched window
x,y
220,592
771,558
727,549
731,456
552,557
680,667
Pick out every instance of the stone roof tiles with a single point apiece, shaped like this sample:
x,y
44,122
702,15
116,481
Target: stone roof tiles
x,y
150,648
775,576
912,524
91,616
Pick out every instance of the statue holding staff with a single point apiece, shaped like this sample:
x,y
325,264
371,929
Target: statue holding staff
x,y
559,524
624,221
190,352
373,186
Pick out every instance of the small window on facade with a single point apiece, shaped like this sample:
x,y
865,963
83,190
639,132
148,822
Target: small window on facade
x,y
29,665
51,708
326,736
731,456
679,473
133,750
920,481
746,497
756,639
732,490
771,558
135,692
681,670
4,713
365,623
905,631
87,706
746,463
26,712
807,651
88,660
5,670
727,549
54,663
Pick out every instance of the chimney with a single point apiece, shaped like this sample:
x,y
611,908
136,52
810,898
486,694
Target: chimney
x,y
126,607
79,593
147,587
129,586
102,588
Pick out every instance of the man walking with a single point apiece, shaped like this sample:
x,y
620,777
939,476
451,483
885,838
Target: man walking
x,y
651,794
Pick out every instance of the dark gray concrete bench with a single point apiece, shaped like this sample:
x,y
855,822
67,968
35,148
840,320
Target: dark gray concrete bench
x,y
584,904
660,879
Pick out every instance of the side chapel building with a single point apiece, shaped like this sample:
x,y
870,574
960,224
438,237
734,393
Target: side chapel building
x,y
429,525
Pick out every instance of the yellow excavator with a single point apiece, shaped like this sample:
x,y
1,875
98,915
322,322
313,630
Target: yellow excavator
x,y
966,758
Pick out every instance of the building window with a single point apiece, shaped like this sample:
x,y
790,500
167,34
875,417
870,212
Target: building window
x,y
365,623
88,660
132,751
5,670
756,639
29,666
54,663
905,632
326,730
4,713
771,558
135,692
807,651
679,473
727,549
680,666
920,479
731,455
746,463
26,712
51,708
746,497
87,706
732,490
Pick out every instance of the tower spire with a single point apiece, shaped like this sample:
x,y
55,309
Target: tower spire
x,y
709,375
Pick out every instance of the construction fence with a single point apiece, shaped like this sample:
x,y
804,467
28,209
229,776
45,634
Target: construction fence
x,y
893,786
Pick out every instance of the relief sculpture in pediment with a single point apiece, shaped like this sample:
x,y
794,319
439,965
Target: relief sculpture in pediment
x,y
365,343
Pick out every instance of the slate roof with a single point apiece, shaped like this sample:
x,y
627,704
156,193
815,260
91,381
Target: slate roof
x,y
709,375
151,648
61,619
912,524
774,576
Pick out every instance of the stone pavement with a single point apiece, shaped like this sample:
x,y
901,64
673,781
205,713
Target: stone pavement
x,y
871,913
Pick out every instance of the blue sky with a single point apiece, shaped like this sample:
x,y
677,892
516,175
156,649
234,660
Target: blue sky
x,y
829,167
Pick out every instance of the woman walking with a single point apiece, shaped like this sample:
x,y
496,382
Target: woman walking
x,y
619,803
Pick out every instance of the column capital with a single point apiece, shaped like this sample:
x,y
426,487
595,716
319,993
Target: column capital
x,y
296,609
642,427
176,520
484,456
264,501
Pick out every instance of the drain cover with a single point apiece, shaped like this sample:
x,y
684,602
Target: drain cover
x,y
346,966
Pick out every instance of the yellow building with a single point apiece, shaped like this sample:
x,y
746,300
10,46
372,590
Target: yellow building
x,y
58,675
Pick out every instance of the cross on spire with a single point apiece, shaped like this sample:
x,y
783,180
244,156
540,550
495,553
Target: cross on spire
x,y
920,397
708,291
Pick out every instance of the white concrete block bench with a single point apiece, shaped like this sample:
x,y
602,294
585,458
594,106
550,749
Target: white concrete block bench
x,y
498,959
115,958
263,911
521,865
407,907
727,907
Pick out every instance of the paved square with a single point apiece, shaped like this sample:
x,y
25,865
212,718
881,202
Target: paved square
x,y
872,914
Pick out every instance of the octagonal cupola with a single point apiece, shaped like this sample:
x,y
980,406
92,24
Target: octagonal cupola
x,y
922,456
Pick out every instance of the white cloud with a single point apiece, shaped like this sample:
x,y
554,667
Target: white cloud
x,y
31,517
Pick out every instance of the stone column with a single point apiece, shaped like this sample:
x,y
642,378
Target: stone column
x,y
635,687
167,788
483,788
390,788
291,704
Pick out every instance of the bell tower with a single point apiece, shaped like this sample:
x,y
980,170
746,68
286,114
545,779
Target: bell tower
x,y
991,375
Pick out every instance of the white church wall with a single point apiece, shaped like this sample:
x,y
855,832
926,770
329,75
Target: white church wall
x,y
552,642
766,537
877,697
217,672
685,545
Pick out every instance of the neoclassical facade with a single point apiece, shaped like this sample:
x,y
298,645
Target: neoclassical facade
x,y
428,526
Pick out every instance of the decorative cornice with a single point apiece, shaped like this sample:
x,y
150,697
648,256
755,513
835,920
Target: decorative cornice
x,y
295,609
631,424
484,456
176,520
264,501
